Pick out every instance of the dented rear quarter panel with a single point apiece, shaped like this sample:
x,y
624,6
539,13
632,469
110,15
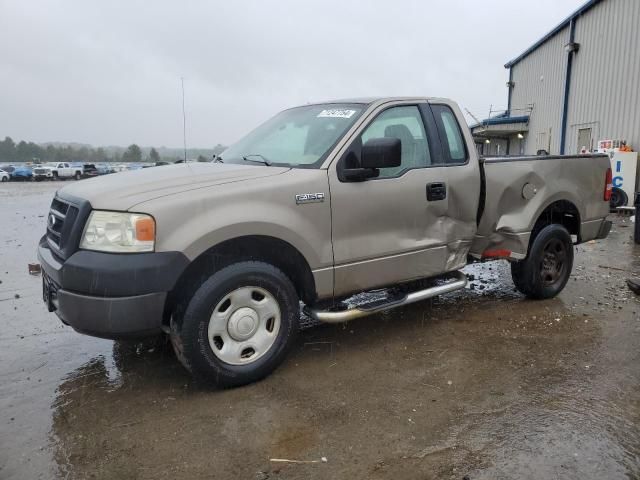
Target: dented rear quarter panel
x,y
509,217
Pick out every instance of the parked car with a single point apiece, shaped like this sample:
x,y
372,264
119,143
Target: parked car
x,y
89,170
104,169
8,168
321,202
64,170
42,172
22,173
4,176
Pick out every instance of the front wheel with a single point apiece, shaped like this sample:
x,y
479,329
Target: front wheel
x,y
238,326
546,270
5,179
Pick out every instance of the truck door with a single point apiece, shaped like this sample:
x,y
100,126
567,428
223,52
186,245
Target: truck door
x,y
413,221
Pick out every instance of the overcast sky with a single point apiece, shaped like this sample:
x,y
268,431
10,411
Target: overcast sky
x,y
108,72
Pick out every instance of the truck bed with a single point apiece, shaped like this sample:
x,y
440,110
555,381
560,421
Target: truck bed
x,y
519,189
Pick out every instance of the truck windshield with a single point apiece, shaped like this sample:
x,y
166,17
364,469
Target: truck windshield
x,y
299,137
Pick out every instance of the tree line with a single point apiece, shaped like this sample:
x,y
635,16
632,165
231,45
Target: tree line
x,y
10,151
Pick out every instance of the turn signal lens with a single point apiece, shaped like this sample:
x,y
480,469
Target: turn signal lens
x,y
608,185
145,229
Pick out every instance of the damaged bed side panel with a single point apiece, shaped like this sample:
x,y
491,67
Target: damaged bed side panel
x,y
519,189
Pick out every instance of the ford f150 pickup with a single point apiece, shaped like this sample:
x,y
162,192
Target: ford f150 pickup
x,y
319,203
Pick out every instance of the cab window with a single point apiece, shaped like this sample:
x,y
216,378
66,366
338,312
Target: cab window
x,y
404,123
453,146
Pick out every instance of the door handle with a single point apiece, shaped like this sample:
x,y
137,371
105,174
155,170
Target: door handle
x,y
436,191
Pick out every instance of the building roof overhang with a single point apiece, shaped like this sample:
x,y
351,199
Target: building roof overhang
x,y
583,9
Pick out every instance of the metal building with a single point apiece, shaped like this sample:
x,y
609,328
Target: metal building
x,y
578,84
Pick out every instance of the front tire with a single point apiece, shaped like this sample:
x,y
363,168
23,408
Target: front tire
x,y
546,270
238,326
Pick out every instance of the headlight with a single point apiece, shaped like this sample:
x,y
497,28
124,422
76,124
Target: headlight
x,y
119,232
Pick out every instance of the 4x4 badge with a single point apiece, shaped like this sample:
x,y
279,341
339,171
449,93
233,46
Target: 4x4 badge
x,y
309,198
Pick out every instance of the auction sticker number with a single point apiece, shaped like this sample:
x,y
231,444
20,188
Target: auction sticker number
x,y
336,113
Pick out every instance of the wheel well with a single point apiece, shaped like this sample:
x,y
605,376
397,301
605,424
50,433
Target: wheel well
x,y
270,250
561,212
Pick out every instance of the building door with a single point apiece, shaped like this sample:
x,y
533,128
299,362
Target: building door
x,y
584,139
541,143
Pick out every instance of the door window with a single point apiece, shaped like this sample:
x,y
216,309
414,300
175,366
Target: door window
x,y
404,123
453,144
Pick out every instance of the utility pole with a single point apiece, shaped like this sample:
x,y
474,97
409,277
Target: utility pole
x,y
184,123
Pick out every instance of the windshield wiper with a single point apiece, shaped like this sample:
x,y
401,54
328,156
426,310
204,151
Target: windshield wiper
x,y
260,159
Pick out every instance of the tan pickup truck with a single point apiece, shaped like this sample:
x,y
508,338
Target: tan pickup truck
x,y
319,203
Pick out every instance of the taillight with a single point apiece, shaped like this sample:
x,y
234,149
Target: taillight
x,y
608,185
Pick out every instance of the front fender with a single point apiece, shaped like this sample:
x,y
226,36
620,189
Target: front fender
x,y
194,221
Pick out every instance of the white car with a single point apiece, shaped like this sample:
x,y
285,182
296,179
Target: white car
x,y
4,176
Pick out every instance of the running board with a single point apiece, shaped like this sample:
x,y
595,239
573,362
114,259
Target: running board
x,y
328,316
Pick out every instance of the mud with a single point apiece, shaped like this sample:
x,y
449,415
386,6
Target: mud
x,y
481,384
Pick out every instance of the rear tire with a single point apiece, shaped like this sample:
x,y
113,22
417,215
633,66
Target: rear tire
x,y
77,176
546,270
238,326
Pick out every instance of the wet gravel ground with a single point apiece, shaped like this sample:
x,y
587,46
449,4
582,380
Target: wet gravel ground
x,y
481,384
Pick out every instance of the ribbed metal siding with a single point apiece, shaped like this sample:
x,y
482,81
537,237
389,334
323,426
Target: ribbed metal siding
x,y
549,63
605,81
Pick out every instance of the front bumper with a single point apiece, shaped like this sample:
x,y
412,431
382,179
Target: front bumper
x,y
110,295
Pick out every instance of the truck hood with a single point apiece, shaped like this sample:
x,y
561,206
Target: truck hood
x,y
122,191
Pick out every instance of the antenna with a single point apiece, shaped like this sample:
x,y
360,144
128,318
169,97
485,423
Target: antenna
x,y
184,122
473,116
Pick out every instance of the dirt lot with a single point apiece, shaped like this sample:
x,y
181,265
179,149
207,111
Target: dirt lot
x,y
481,384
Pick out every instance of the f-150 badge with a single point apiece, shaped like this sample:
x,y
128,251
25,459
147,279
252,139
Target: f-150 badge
x,y
309,198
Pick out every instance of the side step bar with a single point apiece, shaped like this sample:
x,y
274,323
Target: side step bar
x,y
327,316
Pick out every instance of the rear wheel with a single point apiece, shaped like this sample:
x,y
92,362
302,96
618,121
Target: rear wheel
x,y
546,270
5,179
238,326
77,176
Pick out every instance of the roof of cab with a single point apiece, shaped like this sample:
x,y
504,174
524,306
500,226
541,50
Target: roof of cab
x,y
370,100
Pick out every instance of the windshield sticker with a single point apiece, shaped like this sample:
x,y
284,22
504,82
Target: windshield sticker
x,y
336,113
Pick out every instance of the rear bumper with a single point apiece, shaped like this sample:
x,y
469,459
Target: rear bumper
x,y
110,295
594,229
604,230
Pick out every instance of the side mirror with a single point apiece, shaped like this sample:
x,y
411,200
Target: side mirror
x,y
381,153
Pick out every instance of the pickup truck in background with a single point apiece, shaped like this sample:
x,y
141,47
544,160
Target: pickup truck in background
x,y
64,170
319,203
42,172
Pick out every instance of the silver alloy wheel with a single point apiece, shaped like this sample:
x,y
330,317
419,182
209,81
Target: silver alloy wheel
x,y
244,325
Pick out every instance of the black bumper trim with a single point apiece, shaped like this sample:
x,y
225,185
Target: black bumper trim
x,y
111,295
113,318
605,228
113,274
